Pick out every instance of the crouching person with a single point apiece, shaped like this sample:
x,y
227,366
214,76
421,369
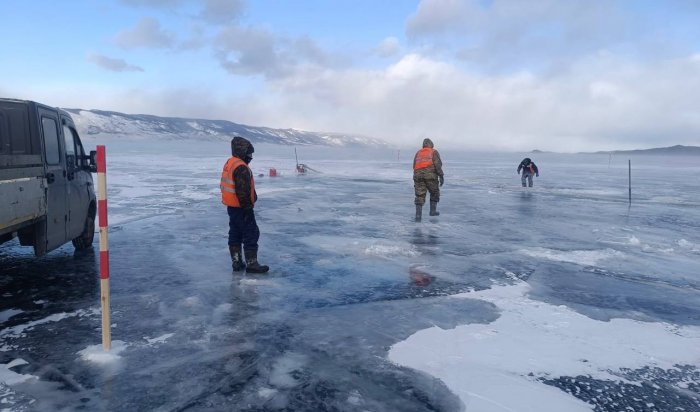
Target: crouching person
x,y
238,194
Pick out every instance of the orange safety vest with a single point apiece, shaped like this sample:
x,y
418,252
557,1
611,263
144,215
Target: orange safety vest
x,y
228,185
424,158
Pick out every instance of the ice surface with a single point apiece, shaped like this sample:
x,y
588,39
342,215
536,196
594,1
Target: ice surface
x,y
561,294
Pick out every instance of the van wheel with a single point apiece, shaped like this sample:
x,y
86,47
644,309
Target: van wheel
x,y
84,241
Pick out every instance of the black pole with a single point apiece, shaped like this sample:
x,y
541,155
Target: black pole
x,y
629,178
296,157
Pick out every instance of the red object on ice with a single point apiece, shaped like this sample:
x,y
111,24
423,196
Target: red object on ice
x,y
420,277
273,172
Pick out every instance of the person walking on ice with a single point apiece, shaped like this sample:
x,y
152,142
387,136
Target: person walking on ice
x,y
427,172
529,169
239,196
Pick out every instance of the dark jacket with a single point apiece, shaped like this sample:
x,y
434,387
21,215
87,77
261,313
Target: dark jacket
x,y
437,161
525,165
242,176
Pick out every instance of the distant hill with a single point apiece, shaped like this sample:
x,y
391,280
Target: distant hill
x,y
94,123
671,150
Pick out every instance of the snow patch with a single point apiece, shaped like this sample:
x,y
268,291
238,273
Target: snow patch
x,y
247,281
9,377
282,369
355,398
390,250
579,257
689,245
191,301
266,393
5,315
496,367
159,339
19,330
220,311
95,354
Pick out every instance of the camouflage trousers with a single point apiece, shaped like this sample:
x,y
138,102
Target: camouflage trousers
x,y
424,182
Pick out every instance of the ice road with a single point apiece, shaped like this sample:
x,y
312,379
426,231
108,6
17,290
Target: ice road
x,y
555,298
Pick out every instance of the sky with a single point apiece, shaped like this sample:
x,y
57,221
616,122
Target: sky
x,y
561,75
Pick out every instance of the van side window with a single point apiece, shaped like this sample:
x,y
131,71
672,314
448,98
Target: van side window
x,y
82,160
71,159
51,143
14,131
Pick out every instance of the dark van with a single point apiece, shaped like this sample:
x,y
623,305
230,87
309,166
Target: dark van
x,y
47,195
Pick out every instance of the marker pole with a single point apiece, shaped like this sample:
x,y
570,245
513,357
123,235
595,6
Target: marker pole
x,y
629,179
104,246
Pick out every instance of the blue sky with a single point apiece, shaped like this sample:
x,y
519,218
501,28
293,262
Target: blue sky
x,y
479,74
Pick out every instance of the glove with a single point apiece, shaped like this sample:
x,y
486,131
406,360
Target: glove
x,y
517,172
442,180
537,174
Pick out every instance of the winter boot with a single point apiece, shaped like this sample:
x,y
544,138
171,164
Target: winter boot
x,y
251,256
433,209
236,258
419,212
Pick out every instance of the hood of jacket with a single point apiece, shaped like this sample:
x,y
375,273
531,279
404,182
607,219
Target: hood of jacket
x,y
427,143
242,148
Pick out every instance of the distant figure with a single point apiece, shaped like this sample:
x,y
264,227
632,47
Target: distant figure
x,y
427,172
529,169
238,194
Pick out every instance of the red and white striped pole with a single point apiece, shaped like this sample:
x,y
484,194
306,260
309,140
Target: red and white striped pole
x,y
104,246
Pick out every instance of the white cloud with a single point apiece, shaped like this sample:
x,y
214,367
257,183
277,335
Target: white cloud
x,y
516,34
439,16
254,51
389,47
602,103
222,11
147,34
112,64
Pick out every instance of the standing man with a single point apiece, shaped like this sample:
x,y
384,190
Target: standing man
x,y
238,194
529,169
427,172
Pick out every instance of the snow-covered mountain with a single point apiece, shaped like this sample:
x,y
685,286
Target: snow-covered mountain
x,y
94,123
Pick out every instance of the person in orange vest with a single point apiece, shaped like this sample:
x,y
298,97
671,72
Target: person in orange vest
x,y
427,172
239,196
529,169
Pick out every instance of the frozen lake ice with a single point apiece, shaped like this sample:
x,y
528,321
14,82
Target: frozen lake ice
x,y
559,297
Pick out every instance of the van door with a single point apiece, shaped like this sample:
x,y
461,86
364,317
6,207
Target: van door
x,y
77,189
56,208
